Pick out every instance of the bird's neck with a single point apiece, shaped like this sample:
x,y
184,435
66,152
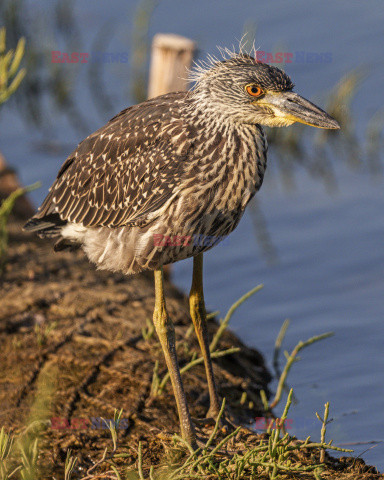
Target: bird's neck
x,y
232,157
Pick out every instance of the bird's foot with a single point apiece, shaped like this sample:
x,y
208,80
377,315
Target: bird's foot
x,y
203,422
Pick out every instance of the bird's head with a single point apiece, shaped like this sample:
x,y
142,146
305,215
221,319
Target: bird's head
x,y
247,91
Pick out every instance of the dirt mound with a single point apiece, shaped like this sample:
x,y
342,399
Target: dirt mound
x,y
76,344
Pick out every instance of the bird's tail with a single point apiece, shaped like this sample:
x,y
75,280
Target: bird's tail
x,y
48,226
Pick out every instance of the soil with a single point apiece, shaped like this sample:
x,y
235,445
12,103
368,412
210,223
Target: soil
x,y
76,344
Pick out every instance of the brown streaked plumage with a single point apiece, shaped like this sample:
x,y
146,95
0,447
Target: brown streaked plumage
x,y
183,165
121,176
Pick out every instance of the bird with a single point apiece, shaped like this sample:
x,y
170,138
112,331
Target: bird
x,y
143,190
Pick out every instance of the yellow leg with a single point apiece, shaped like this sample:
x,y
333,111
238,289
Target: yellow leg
x,y
198,314
166,334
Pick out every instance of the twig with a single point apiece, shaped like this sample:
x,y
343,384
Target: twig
x,y
290,361
140,463
213,434
323,430
279,340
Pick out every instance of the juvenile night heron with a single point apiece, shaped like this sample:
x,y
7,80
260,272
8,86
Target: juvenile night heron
x,y
180,168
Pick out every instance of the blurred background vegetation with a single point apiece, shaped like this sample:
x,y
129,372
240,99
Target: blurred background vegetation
x,y
48,90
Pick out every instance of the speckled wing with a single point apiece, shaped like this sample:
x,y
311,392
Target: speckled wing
x,y
126,169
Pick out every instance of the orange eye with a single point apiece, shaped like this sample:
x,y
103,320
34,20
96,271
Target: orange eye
x,y
254,90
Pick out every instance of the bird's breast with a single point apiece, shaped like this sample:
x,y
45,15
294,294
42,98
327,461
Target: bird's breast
x,y
228,169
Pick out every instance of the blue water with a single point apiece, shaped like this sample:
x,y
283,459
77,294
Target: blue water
x,y
329,271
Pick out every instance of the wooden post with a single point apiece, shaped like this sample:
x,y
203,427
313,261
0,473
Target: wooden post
x,y
171,58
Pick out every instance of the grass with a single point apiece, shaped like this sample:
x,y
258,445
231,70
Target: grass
x,y
43,332
291,358
224,458
19,454
6,208
10,73
10,78
279,453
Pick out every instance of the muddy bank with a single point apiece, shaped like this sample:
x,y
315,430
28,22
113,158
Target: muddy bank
x,y
82,339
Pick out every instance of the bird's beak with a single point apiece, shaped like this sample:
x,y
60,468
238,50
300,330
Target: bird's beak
x,y
291,107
